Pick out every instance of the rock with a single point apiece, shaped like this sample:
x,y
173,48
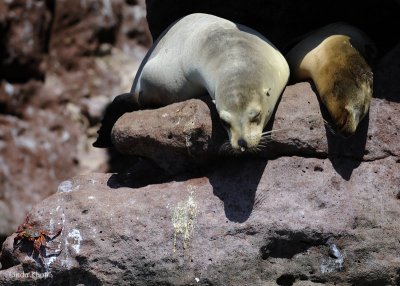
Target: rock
x,y
169,134
303,130
134,30
34,156
24,29
176,136
14,97
246,222
61,62
80,27
56,117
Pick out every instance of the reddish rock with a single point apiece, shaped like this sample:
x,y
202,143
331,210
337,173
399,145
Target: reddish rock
x,y
134,30
24,30
34,156
47,112
298,129
14,98
176,136
245,223
80,27
304,131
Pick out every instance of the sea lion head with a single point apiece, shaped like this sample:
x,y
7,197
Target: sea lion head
x,y
349,96
244,113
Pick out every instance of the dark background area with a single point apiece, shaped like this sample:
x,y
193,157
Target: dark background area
x,y
282,21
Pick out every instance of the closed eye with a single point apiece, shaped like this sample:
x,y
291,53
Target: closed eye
x,y
256,117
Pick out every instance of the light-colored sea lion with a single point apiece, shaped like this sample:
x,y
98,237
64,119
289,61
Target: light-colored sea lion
x,y
239,68
334,57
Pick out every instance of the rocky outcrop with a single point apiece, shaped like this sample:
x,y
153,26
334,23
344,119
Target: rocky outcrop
x,y
309,210
61,63
252,222
91,27
32,151
183,134
24,31
177,137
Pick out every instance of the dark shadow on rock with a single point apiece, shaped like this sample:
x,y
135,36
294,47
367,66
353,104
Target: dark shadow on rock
x,y
270,123
286,243
75,276
140,173
345,154
344,166
235,182
118,162
277,149
218,134
2,239
45,251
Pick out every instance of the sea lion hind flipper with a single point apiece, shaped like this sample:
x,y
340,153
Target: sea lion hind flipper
x,y
121,104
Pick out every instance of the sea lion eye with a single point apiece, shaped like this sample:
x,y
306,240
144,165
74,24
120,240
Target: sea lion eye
x,y
266,91
256,117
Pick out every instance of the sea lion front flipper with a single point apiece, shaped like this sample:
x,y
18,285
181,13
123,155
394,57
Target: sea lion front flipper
x,y
121,104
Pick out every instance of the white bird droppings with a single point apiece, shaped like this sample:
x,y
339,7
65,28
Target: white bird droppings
x,y
77,238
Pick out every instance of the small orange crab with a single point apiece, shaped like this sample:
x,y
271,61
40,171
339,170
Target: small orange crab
x,y
31,232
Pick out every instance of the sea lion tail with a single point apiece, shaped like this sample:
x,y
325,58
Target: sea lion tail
x,y
121,104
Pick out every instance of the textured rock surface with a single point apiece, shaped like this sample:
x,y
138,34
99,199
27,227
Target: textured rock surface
x,y
243,223
24,29
176,136
61,62
32,157
165,135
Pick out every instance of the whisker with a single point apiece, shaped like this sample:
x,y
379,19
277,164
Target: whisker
x,y
275,130
225,148
267,136
329,127
266,140
254,150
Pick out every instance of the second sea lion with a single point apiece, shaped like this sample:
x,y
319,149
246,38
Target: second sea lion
x,y
334,57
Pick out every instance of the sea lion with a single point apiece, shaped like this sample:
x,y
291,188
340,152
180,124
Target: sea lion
x,y
241,70
334,57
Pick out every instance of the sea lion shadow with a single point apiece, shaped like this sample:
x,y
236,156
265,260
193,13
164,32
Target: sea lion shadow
x,y
139,173
235,183
345,154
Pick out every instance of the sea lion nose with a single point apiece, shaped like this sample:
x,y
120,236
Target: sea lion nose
x,y
242,144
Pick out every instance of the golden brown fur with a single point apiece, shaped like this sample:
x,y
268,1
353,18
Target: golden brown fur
x,y
339,71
